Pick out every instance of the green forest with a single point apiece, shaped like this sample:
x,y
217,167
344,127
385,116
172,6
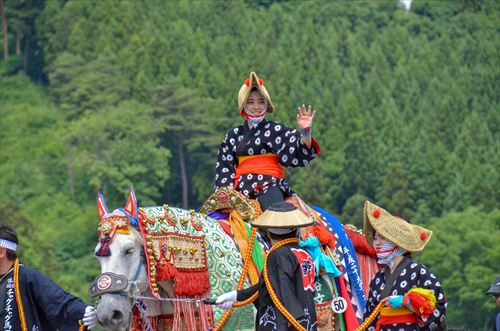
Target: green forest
x,y
96,96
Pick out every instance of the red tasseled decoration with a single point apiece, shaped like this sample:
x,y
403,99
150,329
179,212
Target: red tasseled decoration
x,y
136,324
324,236
261,82
187,316
189,283
165,271
376,213
360,243
420,304
247,82
104,250
423,235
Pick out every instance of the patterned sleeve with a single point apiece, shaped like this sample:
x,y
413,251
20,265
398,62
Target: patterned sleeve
x,y
373,299
226,162
427,280
292,151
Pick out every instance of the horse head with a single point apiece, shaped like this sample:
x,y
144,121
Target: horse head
x,y
121,256
188,257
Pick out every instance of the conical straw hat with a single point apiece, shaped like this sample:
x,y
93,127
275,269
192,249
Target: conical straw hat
x,y
410,237
282,215
253,81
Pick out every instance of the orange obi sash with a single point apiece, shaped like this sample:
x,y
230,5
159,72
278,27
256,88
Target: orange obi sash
x,y
395,316
264,164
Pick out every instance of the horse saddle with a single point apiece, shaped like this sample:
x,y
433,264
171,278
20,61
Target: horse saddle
x,y
107,282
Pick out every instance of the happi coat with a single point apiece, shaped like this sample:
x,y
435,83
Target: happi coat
x,y
291,273
47,307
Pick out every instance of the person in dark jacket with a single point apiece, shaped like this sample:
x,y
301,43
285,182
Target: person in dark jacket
x,y
290,271
494,291
29,300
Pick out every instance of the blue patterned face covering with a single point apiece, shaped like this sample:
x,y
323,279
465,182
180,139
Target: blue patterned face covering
x,y
253,120
388,252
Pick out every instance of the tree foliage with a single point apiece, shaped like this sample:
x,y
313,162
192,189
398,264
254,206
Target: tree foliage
x,y
131,92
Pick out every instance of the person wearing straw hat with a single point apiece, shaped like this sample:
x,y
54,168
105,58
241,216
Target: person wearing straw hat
x,y
252,156
286,286
29,300
494,291
411,297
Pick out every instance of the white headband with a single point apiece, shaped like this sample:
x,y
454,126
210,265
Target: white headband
x,y
8,244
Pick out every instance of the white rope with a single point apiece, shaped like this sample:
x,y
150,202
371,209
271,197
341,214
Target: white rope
x,y
166,299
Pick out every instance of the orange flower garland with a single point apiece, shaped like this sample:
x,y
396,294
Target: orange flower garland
x,y
370,318
19,301
241,282
270,289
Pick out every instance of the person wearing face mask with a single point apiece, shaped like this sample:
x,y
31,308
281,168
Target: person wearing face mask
x,y
412,297
253,155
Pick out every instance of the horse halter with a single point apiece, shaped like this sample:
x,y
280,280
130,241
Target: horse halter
x,y
111,283
108,282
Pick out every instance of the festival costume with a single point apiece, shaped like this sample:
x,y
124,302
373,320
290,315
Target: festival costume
x,y
286,287
291,272
252,160
47,307
419,288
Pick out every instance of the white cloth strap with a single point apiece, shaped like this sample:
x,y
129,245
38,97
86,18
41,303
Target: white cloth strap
x,y
8,244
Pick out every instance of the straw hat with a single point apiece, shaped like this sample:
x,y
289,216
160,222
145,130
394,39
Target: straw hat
x,y
253,81
282,215
410,237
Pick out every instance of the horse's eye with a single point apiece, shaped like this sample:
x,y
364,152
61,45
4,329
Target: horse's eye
x,y
129,251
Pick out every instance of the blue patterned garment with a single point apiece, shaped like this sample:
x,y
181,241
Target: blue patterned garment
x,y
413,275
268,137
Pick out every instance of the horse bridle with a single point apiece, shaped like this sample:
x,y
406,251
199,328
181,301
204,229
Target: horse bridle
x,y
116,284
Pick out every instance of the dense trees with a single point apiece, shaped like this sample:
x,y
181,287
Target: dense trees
x,y
128,92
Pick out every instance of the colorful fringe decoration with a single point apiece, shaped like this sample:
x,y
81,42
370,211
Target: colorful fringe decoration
x,y
360,243
324,236
257,251
422,301
104,249
186,316
191,283
241,235
165,271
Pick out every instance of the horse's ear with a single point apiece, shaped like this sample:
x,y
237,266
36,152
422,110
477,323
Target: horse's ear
x,y
101,206
131,205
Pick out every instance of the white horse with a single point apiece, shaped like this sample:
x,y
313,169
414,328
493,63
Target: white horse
x,y
125,286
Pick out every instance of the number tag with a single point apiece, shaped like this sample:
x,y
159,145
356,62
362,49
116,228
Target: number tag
x,y
339,305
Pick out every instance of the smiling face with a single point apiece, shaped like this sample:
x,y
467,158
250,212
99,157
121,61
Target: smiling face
x,y
256,103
